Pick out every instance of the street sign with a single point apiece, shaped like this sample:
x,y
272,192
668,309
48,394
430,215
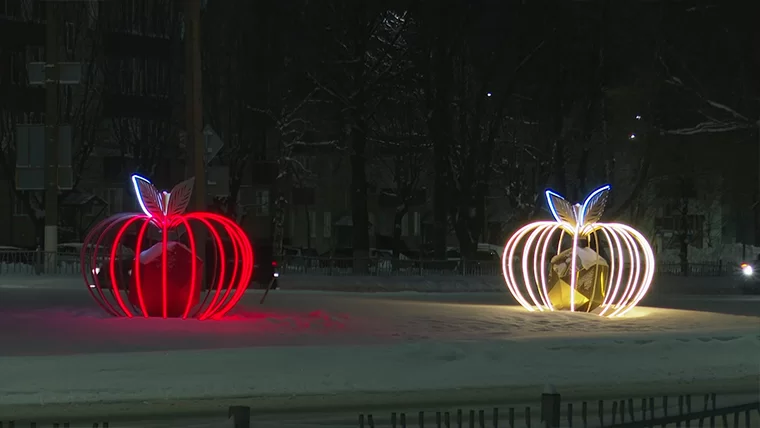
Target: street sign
x,y
69,73
218,181
213,143
30,157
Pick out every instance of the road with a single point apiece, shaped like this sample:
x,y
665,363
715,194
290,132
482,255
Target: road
x,y
19,298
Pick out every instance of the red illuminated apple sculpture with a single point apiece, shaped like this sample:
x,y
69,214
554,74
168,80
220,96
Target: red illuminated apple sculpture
x,y
164,275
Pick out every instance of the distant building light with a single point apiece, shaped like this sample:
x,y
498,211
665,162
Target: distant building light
x,y
638,117
632,137
488,94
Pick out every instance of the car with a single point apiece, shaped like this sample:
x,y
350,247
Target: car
x,y
265,268
299,259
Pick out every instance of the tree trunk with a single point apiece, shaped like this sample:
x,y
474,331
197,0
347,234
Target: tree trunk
x,y
439,128
559,161
560,166
359,212
467,245
683,238
397,219
582,175
357,138
278,226
308,225
232,201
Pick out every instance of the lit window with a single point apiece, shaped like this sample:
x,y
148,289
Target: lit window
x,y
262,202
327,224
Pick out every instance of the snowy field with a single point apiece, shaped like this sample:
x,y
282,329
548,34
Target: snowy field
x,y
337,350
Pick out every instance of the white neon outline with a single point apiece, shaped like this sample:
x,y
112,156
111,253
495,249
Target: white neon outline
x,y
136,177
582,215
631,264
163,201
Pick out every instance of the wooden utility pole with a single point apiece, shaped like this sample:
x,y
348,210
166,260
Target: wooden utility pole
x,y
196,144
52,72
757,202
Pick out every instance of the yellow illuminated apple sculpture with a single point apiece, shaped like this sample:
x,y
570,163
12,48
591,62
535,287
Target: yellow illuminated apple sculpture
x,y
558,265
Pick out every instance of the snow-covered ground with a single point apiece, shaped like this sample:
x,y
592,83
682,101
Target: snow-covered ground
x,y
318,349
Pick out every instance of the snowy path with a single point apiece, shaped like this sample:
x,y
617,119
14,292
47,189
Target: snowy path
x,y
68,322
315,349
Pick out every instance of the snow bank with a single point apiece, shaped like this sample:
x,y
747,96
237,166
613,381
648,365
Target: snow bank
x,y
569,364
317,349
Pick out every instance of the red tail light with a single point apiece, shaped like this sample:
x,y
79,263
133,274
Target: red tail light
x,y
274,264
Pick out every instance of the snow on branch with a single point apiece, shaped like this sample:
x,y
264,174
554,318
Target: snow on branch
x,y
311,144
710,126
727,109
707,127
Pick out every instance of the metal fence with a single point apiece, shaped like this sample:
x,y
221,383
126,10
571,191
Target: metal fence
x,y
628,413
650,412
407,267
13,424
38,262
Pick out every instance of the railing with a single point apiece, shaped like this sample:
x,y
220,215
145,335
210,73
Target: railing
x,y
697,269
39,262
648,412
627,413
407,267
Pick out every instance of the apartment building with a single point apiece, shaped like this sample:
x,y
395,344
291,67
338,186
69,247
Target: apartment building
x,y
132,52
122,114
22,38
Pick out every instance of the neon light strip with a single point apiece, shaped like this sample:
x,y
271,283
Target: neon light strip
x,y
584,207
526,255
135,178
542,265
193,266
552,209
164,270
136,268
237,235
574,272
508,265
539,269
619,261
112,264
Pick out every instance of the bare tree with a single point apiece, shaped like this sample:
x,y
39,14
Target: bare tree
x,y
144,138
365,49
469,81
401,153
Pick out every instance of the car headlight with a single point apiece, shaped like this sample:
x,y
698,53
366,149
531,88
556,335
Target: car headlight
x,y
747,270
96,271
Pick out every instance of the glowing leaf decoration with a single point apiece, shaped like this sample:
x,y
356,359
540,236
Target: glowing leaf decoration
x,y
593,206
179,198
561,209
149,197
